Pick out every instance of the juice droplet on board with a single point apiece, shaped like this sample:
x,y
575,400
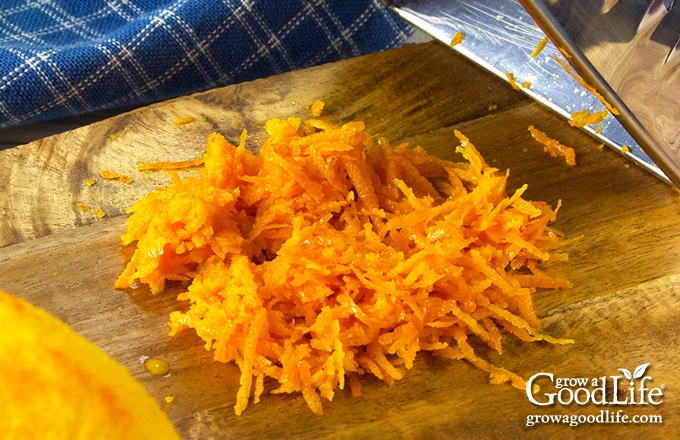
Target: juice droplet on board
x,y
157,367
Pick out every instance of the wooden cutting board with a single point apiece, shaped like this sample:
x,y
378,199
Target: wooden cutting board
x,y
622,311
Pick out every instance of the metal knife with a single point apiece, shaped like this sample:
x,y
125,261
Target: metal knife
x,y
503,36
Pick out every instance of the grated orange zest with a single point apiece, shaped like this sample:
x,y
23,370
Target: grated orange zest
x,y
584,117
539,47
457,39
512,80
112,175
565,65
317,108
184,120
553,146
331,256
169,166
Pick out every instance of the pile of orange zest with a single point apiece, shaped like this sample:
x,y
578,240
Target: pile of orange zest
x,y
554,147
458,38
332,255
110,175
168,166
584,117
539,47
586,86
184,120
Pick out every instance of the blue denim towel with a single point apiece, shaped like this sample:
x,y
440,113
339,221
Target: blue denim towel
x,y
67,57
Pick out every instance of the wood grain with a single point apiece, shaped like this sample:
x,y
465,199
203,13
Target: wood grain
x,y
397,96
625,266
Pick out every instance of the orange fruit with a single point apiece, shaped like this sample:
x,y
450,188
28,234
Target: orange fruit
x,y
55,384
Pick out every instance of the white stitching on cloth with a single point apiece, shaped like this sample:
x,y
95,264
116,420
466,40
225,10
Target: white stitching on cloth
x,y
37,59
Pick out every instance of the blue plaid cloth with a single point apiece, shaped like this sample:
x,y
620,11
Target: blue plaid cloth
x,y
67,57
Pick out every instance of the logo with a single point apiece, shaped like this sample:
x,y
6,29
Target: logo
x,y
628,388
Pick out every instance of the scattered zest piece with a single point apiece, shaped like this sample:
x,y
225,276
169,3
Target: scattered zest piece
x,y
185,120
100,213
458,38
553,147
113,136
83,207
584,117
539,47
586,86
169,399
110,175
91,182
514,84
511,79
168,166
330,256
317,108
625,149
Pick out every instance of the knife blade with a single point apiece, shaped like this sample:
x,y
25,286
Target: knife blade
x,y
502,37
628,50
